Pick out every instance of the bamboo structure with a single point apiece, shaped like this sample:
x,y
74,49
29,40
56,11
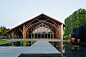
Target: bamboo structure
x,y
42,26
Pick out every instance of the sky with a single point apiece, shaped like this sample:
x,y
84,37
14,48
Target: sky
x,y
15,12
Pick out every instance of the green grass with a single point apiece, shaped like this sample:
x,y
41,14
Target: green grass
x,y
5,41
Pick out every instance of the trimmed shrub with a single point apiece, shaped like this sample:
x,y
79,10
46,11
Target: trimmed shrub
x,y
66,37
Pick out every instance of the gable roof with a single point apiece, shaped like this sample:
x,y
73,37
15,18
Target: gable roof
x,y
35,18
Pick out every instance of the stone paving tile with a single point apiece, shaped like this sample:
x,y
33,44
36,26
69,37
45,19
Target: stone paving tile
x,y
42,46
9,55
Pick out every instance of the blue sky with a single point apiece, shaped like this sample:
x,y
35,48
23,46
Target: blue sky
x,y
15,12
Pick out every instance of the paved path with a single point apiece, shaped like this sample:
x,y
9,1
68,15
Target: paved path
x,y
40,46
43,46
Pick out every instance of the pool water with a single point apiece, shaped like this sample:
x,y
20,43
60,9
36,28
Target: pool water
x,y
70,50
39,55
67,49
18,43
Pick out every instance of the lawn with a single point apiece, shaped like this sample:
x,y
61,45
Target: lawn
x,y
5,41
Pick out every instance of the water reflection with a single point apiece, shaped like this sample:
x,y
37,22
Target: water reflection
x,y
66,48
19,43
70,50
77,50
59,46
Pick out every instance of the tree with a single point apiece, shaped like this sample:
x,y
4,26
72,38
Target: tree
x,y
76,19
3,29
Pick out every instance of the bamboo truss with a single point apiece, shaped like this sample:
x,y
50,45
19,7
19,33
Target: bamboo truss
x,y
49,28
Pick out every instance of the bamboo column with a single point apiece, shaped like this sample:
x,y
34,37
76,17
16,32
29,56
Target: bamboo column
x,y
27,34
41,31
12,34
15,35
53,34
47,32
59,32
44,32
50,32
34,33
24,32
19,36
31,34
37,32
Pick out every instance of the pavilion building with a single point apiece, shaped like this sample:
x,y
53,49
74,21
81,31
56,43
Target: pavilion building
x,y
39,27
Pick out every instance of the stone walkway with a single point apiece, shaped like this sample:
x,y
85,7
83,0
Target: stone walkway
x,y
43,46
39,47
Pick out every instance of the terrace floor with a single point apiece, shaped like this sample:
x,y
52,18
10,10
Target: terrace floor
x,y
41,46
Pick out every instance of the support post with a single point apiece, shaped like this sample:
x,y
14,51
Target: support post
x,y
34,34
24,32
27,33
61,31
19,36
12,34
37,33
50,35
47,32
41,31
15,35
53,35
31,34
44,32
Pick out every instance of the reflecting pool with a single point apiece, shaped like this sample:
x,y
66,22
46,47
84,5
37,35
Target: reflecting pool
x,y
70,50
65,48
19,43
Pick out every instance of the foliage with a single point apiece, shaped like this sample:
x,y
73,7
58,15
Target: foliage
x,y
66,37
25,43
3,30
78,18
21,41
5,41
58,45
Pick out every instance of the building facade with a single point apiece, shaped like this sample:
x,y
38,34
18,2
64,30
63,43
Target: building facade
x,y
39,27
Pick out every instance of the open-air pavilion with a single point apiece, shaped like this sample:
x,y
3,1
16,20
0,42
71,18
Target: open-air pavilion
x,y
39,27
